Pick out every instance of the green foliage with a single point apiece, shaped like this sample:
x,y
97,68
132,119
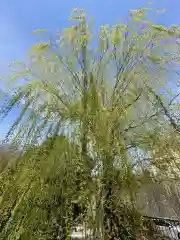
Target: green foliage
x,y
106,102
42,190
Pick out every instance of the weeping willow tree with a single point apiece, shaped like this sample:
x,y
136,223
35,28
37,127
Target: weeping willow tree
x,y
107,95
39,198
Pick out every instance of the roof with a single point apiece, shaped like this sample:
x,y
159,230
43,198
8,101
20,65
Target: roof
x,y
160,200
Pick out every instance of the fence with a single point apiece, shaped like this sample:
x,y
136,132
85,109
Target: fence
x,y
154,229
160,228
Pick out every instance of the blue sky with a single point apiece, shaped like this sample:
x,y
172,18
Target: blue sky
x,y
18,19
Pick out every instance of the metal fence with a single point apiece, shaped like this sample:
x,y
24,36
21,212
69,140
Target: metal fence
x,y
160,228
154,229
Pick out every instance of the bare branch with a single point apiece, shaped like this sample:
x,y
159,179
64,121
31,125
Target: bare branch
x,y
174,98
165,110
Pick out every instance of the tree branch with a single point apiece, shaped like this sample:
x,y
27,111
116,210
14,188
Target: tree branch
x,y
165,110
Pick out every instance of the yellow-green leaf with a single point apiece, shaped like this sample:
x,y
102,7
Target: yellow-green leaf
x,y
159,28
39,31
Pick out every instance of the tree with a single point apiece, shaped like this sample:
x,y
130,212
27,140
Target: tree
x,y
106,100
31,214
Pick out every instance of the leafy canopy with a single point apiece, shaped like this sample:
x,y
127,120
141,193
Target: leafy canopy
x,y
110,97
